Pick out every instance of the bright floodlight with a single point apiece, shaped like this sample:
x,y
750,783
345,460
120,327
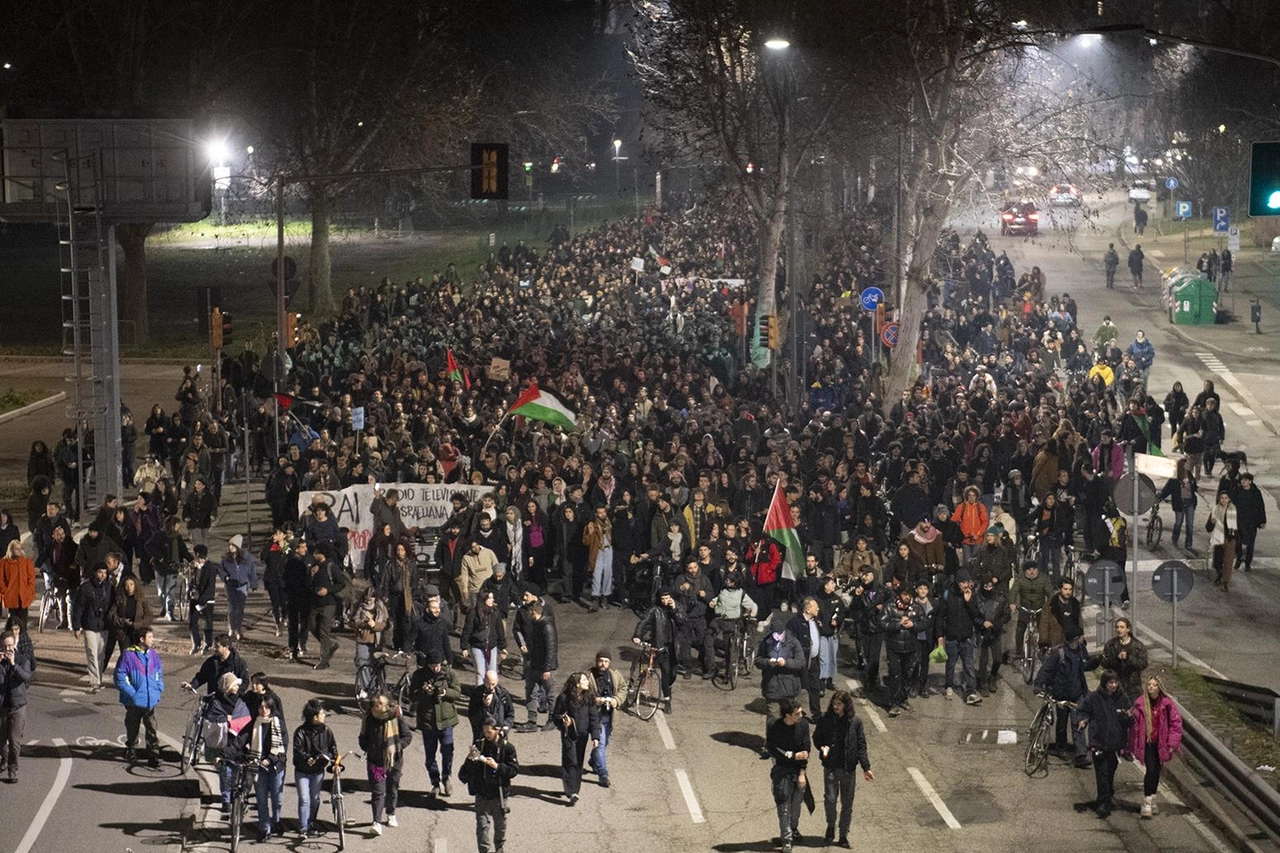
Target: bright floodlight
x,y
217,150
617,145
1020,25
1273,200
777,44
1090,39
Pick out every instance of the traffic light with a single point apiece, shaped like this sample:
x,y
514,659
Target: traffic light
x,y
1264,179
528,167
226,328
291,329
773,331
215,328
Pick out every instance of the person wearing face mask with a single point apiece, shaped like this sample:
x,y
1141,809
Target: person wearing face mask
x,y
577,716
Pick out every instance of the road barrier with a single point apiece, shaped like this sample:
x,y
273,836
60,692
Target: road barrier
x,y
1260,704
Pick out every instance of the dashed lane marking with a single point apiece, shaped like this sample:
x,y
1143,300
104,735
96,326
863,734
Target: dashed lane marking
x,y
690,798
664,730
441,846
50,799
1241,409
932,796
855,686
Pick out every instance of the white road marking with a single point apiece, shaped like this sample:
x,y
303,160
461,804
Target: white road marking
x,y
856,685
1004,737
932,796
50,799
1256,422
690,799
1161,640
441,846
664,730
1241,409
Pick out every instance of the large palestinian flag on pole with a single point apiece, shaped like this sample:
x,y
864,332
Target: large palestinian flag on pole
x,y
778,526
540,405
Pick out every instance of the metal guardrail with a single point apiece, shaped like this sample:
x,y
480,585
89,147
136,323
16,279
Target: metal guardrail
x,y
1248,791
1260,704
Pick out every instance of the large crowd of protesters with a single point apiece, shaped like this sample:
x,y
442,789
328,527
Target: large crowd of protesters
x,y
941,519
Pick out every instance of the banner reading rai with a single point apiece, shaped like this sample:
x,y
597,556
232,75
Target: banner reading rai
x,y
424,505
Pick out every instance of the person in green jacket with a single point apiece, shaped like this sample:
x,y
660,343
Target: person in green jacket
x,y
436,694
1031,590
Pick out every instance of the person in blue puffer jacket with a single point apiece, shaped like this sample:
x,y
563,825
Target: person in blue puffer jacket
x,y
140,680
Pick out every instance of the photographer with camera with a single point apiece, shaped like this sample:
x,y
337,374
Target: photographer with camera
x,y
436,692
487,772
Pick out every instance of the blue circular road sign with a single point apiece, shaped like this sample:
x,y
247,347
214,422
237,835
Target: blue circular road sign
x,y
1171,183
871,298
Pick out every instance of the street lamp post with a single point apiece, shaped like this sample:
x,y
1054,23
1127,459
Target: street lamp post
x,y
781,46
617,180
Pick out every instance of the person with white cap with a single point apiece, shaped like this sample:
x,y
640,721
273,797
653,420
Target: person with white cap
x,y
239,575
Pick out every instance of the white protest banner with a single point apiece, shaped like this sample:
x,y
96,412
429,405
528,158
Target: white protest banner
x,y
424,505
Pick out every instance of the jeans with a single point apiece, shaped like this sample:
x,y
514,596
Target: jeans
x,y
689,635
226,774
194,618
442,738
1245,537
236,598
384,792
788,796
310,786
1151,760
484,659
146,717
962,649
899,672
1187,517
94,649
921,667
838,784
828,648
166,586
602,577
1104,774
12,723
491,824
597,755
269,787
537,695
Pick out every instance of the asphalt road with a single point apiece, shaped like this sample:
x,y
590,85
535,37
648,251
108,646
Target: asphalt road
x,y
947,776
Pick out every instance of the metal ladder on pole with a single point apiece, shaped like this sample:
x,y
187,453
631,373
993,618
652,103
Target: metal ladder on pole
x,y
83,255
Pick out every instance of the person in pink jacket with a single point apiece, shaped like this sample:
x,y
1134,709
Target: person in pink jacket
x,y
1154,738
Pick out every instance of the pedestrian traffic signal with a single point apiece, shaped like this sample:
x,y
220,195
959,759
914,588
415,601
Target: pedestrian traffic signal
x,y
1264,179
489,171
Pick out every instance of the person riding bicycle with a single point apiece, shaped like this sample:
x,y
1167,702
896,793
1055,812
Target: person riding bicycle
x,y
729,607
1030,592
1061,678
659,628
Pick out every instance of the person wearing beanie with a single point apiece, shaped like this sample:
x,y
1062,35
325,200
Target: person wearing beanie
x,y
659,628
436,693
958,614
239,576
610,693
487,771
1061,677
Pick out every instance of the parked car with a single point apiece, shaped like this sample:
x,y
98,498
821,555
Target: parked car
x,y
1140,191
1020,217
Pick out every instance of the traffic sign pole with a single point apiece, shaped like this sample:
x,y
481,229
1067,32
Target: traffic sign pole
x,y
1133,536
1173,630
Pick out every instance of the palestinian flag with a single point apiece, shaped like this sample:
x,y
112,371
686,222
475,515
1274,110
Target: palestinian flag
x,y
540,405
455,373
778,526
236,724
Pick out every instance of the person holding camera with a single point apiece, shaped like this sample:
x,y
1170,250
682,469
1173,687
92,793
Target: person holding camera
x,y
611,692
15,675
436,692
490,765
491,701
788,743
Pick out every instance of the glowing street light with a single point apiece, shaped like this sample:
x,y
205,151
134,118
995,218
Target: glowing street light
x,y
777,44
218,151
617,159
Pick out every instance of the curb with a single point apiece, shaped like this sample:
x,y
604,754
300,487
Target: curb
x,y
33,407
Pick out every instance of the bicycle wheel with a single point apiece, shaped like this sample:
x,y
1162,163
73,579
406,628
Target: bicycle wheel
x,y
731,665
1028,662
1155,529
340,817
1037,756
633,686
190,743
650,696
368,682
401,695
237,816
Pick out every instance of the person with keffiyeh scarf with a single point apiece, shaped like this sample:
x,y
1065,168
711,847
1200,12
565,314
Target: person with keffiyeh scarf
x,y
263,744
384,736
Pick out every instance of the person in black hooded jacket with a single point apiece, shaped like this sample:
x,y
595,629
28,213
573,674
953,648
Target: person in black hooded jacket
x,y
659,627
314,749
842,746
1108,713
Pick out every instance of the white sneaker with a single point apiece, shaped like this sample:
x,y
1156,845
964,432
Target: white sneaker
x,y
1155,807
1146,807
377,828
949,693
391,820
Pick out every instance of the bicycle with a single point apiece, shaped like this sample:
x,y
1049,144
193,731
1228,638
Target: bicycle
x,y
242,789
371,679
644,686
1043,726
738,655
193,734
1031,653
1069,565
1155,526
335,797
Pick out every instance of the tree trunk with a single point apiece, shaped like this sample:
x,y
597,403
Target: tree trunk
x,y
771,228
915,292
320,291
131,278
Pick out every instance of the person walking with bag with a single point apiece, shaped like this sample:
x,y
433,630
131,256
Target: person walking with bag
x,y
384,736
140,680
1155,738
1222,526
788,743
842,746
487,772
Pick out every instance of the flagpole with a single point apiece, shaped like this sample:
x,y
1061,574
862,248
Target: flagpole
x,y
496,427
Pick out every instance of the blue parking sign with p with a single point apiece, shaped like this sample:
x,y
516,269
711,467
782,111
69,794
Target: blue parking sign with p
x,y
1221,220
1183,209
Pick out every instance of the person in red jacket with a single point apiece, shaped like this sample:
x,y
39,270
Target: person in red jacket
x,y
972,517
1156,736
765,560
